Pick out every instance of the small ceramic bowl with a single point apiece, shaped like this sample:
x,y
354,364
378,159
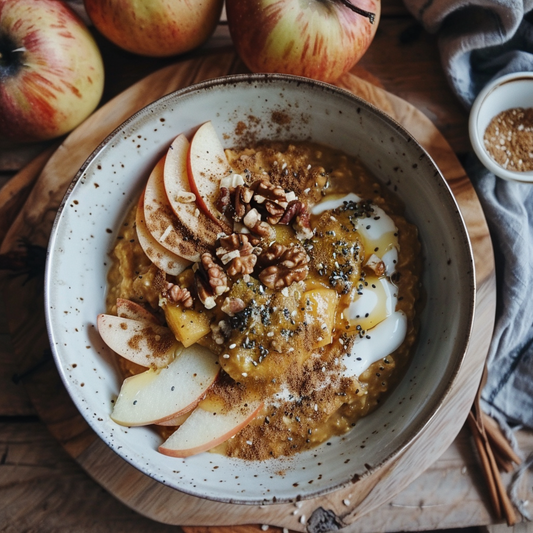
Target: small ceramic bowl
x,y
109,183
507,92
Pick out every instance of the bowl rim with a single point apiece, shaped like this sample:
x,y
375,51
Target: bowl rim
x,y
415,430
476,136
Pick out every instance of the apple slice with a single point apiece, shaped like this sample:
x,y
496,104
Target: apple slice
x,y
156,396
134,311
140,342
207,165
204,430
164,226
176,421
182,200
164,259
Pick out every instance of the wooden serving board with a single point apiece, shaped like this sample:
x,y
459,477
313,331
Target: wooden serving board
x,y
28,206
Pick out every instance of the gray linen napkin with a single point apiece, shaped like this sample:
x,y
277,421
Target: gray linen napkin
x,y
508,207
480,40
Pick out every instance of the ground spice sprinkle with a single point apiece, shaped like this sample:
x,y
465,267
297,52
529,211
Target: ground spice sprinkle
x,y
509,139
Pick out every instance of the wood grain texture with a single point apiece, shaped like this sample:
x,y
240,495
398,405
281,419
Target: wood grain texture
x,y
43,489
14,400
412,70
350,505
14,193
33,468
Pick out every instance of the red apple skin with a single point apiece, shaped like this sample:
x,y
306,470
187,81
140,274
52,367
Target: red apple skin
x,y
319,39
201,419
155,28
206,166
56,81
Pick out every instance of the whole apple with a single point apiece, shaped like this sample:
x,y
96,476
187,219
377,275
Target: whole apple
x,y
319,39
155,28
51,71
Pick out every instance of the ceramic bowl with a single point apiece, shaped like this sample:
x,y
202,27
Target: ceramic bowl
x,y
506,92
109,183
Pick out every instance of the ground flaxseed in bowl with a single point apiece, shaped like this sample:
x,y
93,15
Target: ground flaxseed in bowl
x,y
509,139
500,125
307,298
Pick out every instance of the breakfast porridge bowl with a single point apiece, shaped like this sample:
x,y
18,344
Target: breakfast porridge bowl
x,y
259,289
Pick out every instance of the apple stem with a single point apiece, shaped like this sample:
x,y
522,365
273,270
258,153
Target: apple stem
x,y
370,16
3,59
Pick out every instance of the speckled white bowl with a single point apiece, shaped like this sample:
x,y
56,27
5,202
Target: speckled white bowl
x,y
109,183
507,92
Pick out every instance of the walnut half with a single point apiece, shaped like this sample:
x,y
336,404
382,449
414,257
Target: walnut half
x,y
236,253
177,294
283,266
210,280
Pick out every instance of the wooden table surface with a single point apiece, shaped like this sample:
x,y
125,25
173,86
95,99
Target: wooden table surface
x,y
43,489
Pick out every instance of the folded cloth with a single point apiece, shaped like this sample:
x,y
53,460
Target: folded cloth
x,y
508,392
480,40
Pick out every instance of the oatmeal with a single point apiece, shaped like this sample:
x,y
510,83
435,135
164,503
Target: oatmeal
x,y
308,301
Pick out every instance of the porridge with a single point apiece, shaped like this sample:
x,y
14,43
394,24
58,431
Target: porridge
x,y
303,288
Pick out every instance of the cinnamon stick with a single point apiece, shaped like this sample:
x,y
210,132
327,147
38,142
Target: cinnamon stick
x,y
498,440
485,466
497,491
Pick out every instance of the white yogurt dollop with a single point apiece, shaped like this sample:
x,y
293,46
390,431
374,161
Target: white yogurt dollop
x,y
372,309
382,340
380,237
373,303
390,258
332,201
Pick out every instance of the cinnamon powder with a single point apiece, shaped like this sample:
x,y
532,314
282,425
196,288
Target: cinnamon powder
x,y
509,139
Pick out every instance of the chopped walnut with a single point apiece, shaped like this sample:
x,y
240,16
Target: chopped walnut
x,y
220,332
223,200
232,306
210,280
241,202
236,251
303,228
276,346
262,205
286,265
264,190
216,276
275,212
204,293
253,222
272,198
376,264
298,215
246,194
177,294
231,181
